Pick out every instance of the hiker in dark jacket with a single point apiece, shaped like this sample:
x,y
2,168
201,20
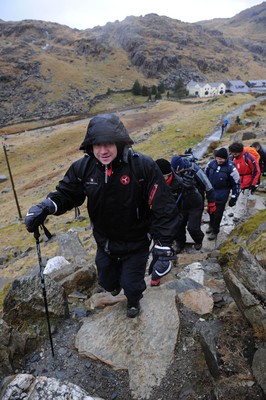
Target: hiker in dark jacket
x,y
181,187
188,201
225,179
128,203
192,209
262,160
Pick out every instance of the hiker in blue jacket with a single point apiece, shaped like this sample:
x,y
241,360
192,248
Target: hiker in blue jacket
x,y
225,180
129,205
192,209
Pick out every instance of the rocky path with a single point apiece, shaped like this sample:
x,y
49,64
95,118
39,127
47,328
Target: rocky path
x,y
187,377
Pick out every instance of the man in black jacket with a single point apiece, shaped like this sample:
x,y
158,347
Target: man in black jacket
x,y
193,207
262,160
129,205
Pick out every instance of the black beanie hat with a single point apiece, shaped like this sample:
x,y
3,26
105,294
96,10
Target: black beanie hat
x,y
222,153
164,166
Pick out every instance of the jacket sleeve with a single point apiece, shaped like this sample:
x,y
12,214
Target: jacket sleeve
x,y
234,182
69,191
255,168
165,217
204,180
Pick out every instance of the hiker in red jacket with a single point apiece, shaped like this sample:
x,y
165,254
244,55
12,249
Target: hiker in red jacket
x,y
249,171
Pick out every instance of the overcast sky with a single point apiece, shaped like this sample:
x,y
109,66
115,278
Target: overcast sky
x,y
82,14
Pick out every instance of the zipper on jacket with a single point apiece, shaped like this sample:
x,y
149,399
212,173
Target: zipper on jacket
x,y
106,174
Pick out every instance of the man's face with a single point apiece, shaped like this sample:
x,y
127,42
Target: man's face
x,y
235,155
220,160
105,153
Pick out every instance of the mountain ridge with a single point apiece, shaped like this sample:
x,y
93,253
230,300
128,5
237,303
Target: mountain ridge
x,y
49,70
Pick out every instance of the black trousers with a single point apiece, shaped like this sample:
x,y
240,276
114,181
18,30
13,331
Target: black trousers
x,y
191,220
216,217
127,273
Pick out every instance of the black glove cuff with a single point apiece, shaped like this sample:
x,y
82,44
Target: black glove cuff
x,y
164,253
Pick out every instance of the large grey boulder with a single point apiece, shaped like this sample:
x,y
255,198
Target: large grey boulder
x,y
73,267
13,345
24,301
144,345
26,386
71,277
259,366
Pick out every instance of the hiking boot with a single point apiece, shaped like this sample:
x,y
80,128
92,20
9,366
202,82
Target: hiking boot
x,y
179,247
212,236
133,310
209,230
198,246
116,291
155,282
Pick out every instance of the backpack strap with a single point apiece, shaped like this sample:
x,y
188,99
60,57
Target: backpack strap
x,y
82,167
136,162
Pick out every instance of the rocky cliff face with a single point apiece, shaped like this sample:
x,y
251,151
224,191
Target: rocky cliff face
x,y
49,70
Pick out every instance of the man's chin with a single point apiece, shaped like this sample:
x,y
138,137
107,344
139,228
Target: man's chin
x,y
105,162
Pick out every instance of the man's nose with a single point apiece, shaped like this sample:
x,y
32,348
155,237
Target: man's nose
x,y
103,148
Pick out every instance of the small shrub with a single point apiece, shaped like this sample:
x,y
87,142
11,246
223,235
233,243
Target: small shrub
x,y
251,114
235,128
212,146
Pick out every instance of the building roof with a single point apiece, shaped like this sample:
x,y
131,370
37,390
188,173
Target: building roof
x,y
236,86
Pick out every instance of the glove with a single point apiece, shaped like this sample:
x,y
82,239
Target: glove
x,y
188,181
252,188
161,262
37,214
232,202
211,208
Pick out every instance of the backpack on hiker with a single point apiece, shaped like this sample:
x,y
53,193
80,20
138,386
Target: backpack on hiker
x,y
188,154
253,152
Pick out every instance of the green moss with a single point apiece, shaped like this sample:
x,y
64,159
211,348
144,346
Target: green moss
x,y
252,224
3,293
238,237
258,246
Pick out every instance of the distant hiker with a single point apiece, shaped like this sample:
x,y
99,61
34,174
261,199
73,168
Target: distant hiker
x,y
192,211
128,203
249,171
262,160
223,129
226,122
238,121
225,179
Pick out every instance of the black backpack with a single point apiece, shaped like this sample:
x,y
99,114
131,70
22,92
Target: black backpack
x,y
189,155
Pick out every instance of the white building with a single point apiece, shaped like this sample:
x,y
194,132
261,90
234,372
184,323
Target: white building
x,y
201,89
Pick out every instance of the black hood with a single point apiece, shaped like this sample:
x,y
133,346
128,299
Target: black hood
x,y
105,128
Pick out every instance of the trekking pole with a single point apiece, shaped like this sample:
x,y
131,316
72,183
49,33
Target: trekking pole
x,y
12,183
37,235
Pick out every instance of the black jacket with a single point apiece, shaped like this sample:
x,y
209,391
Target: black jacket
x,y
186,198
124,207
202,182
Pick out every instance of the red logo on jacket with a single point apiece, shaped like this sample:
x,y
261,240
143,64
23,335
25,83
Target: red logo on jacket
x,y
125,179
